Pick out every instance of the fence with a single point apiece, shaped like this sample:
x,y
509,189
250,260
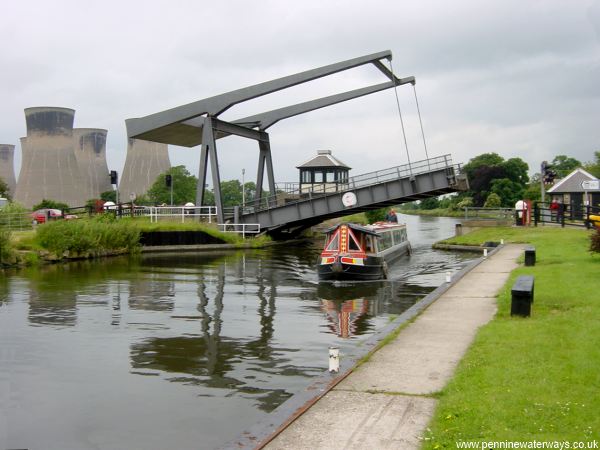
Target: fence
x,y
565,214
16,221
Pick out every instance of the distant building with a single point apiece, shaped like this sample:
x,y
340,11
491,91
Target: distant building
x,y
49,168
90,151
323,173
7,166
570,191
145,161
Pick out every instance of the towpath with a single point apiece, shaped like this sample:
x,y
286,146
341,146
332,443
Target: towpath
x,y
386,403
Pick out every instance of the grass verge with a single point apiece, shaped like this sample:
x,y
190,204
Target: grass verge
x,y
536,378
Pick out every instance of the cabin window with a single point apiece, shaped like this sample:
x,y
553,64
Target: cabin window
x,y
330,176
369,247
318,177
306,176
352,244
385,241
334,244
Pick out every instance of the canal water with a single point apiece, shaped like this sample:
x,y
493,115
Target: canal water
x,y
185,350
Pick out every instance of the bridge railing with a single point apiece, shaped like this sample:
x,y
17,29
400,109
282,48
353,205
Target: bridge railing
x,y
289,193
243,228
182,213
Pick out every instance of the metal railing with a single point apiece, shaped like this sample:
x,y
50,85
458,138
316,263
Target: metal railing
x,y
180,212
489,213
243,228
16,221
292,192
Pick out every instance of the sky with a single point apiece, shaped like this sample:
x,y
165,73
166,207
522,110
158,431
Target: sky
x,y
519,78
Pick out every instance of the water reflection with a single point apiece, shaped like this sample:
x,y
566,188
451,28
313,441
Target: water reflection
x,y
208,341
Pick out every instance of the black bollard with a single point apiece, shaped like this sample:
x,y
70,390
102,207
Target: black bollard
x,y
530,256
522,296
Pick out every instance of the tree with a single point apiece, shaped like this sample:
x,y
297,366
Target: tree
x,y
4,190
493,201
516,170
429,203
183,184
231,192
593,167
564,165
509,191
481,183
485,159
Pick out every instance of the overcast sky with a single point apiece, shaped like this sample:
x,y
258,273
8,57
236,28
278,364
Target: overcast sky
x,y
516,77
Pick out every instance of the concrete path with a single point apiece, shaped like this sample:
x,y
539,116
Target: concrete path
x,y
384,403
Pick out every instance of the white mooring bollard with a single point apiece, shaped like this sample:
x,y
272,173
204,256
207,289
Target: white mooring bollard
x,y
485,252
501,241
448,277
334,359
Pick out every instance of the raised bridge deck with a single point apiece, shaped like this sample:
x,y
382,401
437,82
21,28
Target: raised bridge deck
x,y
292,210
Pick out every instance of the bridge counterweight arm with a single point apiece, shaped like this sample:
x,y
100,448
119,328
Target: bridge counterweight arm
x,y
213,106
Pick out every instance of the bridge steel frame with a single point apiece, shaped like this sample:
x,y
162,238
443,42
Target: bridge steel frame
x,y
197,123
393,186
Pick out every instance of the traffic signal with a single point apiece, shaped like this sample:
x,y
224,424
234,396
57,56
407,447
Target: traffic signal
x,y
548,174
114,177
168,180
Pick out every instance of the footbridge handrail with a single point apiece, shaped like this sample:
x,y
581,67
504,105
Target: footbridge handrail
x,y
290,193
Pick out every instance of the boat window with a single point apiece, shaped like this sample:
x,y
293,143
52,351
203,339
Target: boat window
x,y
334,244
386,241
352,244
369,248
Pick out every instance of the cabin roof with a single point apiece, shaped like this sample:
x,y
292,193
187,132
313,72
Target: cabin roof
x,y
324,158
572,182
354,227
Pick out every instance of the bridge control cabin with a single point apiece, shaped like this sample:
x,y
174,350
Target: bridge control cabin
x,y
323,173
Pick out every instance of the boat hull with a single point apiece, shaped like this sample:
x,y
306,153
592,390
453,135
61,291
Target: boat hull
x,y
373,269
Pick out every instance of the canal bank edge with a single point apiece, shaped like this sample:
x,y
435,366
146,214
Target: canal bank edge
x,y
265,430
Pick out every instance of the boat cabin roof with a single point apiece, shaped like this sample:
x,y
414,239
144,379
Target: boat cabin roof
x,y
369,229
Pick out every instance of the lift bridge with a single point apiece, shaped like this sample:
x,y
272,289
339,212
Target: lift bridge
x,y
284,211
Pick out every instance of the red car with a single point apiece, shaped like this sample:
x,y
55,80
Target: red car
x,y
40,215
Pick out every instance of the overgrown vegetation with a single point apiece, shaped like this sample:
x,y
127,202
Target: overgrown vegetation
x,y
88,237
6,248
534,378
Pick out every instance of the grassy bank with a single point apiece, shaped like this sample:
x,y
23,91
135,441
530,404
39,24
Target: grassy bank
x,y
101,236
536,378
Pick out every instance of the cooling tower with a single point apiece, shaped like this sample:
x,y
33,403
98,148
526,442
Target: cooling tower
x,y
7,166
144,163
90,152
49,169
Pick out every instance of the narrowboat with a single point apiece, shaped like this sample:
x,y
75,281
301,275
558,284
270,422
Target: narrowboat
x,y
357,252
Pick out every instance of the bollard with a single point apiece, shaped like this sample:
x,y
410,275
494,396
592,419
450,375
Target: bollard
x,y
458,229
334,359
485,252
501,241
530,256
522,296
448,277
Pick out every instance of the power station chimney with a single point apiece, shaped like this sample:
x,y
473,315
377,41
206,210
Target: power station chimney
x,y
90,152
7,166
144,163
49,169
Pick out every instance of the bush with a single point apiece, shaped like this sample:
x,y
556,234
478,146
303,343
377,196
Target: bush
x,y
5,245
50,204
595,241
87,236
493,201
